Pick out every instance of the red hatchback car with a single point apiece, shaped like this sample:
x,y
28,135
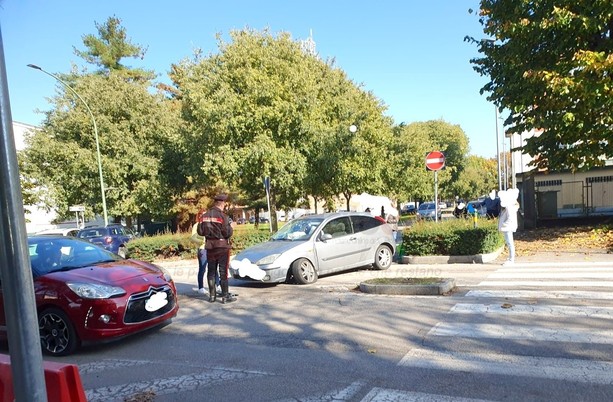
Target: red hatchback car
x,y
85,294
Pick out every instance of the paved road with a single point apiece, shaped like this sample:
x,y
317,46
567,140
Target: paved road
x,y
540,330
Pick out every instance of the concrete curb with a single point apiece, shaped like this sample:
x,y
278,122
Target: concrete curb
x,y
452,259
442,287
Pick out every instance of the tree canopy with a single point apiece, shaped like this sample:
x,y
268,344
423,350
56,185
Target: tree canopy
x,y
109,47
263,107
260,106
550,63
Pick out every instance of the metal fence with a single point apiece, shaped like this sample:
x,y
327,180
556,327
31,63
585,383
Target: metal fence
x,y
590,197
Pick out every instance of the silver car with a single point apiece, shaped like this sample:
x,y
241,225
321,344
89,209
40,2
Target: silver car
x,y
428,210
314,245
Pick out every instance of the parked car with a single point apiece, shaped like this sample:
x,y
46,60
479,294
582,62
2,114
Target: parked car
x,y
112,237
409,209
428,210
241,221
59,232
314,245
85,294
477,206
260,220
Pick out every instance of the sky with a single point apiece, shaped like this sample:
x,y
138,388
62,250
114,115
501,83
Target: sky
x,y
410,54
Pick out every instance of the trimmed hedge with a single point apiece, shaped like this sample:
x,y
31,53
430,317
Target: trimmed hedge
x,y
451,237
179,245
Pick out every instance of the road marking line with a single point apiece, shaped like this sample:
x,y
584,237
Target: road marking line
x,y
345,394
109,364
590,284
551,275
540,294
559,264
394,395
544,311
495,331
576,370
168,385
554,269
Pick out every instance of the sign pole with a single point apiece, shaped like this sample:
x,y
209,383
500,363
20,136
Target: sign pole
x,y
267,188
436,195
435,161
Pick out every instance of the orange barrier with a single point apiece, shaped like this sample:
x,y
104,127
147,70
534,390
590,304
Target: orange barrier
x,y
63,382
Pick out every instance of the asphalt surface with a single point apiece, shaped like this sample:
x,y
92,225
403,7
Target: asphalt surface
x,y
465,274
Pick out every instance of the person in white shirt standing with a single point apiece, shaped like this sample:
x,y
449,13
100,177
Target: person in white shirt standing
x,y
507,221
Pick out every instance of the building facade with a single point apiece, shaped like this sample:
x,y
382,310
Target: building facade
x,y
547,195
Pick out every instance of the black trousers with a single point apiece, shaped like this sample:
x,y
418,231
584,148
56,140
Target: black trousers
x,y
218,261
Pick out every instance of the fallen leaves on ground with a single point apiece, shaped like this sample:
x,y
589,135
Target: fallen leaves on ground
x,y
564,239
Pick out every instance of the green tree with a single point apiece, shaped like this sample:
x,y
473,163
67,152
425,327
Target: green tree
x,y
409,178
134,128
109,47
478,178
413,142
263,107
137,132
550,63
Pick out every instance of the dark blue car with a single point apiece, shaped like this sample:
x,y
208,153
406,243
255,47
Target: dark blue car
x,y
112,237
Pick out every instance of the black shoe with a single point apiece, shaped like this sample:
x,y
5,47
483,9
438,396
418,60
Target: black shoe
x,y
212,298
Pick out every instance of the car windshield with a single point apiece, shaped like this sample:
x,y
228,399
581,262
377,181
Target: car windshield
x,y
298,229
63,254
426,206
88,233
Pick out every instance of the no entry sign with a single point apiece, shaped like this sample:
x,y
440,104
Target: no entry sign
x,y
435,160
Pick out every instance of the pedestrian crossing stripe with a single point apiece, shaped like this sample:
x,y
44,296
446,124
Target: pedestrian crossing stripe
x,y
540,294
574,264
535,311
588,371
590,274
590,284
523,332
169,385
391,395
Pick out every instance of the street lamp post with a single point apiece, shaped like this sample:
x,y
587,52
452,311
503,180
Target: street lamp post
x,y
106,219
498,151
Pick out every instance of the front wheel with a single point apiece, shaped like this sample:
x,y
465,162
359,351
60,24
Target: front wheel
x,y
57,334
303,271
383,257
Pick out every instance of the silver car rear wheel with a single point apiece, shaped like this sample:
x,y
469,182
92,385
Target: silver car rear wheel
x,y
303,271
383,257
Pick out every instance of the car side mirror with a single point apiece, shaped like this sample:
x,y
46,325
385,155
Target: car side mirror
x,y
325,236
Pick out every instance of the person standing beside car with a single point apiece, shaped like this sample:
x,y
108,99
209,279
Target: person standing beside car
x,y
202,259
217,230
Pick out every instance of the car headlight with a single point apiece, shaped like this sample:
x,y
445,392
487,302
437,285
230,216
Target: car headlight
x,y
166,274
269,259
95,291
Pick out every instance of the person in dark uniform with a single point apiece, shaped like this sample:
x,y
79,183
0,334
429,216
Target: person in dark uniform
x,y
217,230
492,205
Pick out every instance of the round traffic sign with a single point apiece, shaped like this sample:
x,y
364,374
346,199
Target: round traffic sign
x,y
435,160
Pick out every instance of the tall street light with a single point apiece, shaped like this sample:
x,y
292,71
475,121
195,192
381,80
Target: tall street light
x,y
498,151
106,219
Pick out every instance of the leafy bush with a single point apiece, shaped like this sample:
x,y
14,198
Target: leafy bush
x,y
179,245
451,237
